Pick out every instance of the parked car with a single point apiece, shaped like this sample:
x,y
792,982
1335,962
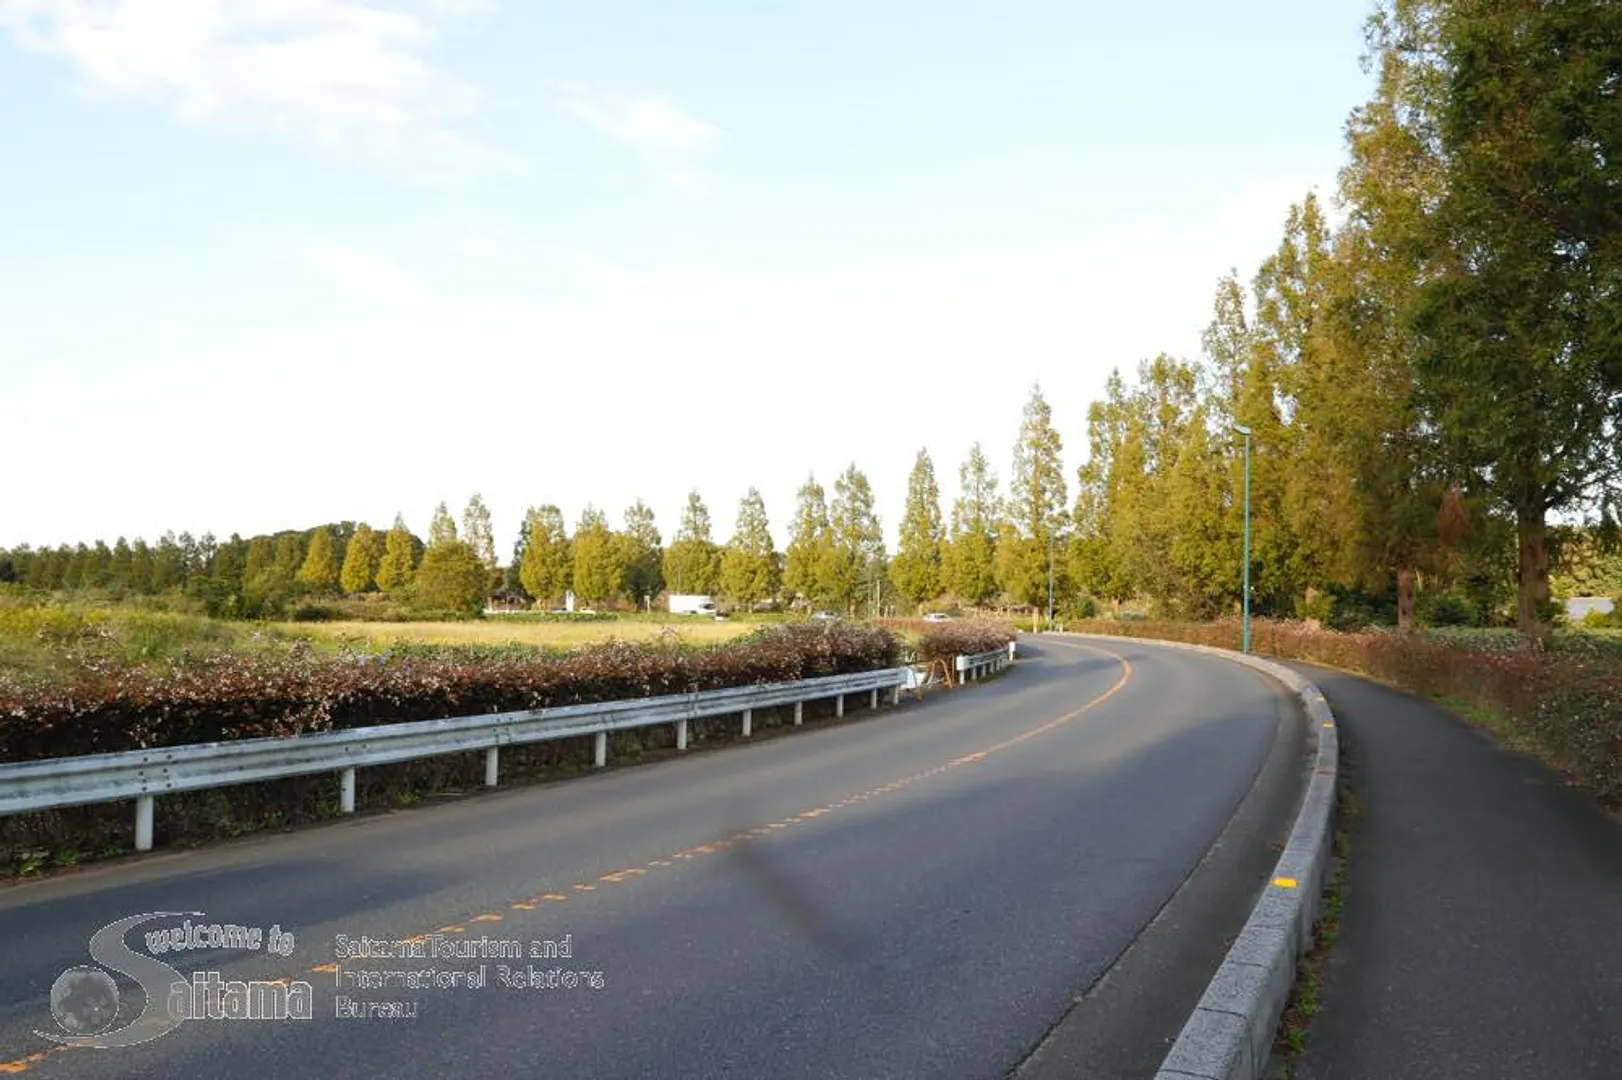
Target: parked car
x,y
937,616
825,616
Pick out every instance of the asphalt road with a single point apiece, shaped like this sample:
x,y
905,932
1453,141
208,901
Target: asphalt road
x,y
927,893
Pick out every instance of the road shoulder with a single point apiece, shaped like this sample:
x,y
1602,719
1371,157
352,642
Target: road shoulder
x,y
1125,1023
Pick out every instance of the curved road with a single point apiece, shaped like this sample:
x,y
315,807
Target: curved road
x,y
926,893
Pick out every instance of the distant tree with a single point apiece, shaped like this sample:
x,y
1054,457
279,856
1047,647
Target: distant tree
x,y
1020,566
320,572
547,566
971,548
361,558
141,567
226,573
749,563
261,556
1037,491
98,574
598,574
854,562
477,532
916,569
122,569
399,561
78,564
442,527
512,574
692,563
1036,503
451,578
168,564
809,543
641,558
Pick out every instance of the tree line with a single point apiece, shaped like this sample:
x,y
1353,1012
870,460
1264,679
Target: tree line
x,y
1429,387
835,557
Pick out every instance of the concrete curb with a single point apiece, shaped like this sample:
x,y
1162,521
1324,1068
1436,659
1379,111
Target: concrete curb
x,y
1230,1034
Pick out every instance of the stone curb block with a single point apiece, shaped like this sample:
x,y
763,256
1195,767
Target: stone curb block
x,y
1230,1034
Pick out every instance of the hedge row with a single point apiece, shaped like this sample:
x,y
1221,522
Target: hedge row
x,y
961,637
99,709
1563,703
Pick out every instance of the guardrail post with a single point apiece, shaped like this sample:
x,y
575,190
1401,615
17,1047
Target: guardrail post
x,y
346,791
600,753
873,699
1011,647
748,722
799,713
895,694
839,704
681,734
492,766
143,822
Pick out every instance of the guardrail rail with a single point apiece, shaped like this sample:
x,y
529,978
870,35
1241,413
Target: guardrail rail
x,y
142,775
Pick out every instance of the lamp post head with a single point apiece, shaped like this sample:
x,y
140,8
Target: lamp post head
x,y
1242,429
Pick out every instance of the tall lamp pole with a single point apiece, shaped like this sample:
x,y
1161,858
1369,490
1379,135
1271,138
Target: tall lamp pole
x,y
1050,580
1245,623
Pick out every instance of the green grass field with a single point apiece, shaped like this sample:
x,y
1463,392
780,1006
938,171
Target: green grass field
x,y
555,635
43,639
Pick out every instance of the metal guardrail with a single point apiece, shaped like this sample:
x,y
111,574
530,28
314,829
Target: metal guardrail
x,y
142,775
987,663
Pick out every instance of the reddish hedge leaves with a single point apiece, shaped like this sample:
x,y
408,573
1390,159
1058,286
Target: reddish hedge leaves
x,y
238,697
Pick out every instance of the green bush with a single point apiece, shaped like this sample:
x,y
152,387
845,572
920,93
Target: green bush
x,y
1445,609
1083,607
1602,620
1320,608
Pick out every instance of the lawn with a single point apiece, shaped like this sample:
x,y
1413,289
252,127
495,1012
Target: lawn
x,y
560,635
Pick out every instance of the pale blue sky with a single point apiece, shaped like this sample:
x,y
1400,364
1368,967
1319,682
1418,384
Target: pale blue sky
x,y
266,263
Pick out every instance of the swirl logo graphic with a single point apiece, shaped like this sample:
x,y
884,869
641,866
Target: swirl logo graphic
x,y
84,1000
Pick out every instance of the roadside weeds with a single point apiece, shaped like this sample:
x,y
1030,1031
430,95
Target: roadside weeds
x,y
1295,1026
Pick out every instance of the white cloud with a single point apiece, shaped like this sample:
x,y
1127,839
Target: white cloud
x,y
650,125
348,74
364,272
667,137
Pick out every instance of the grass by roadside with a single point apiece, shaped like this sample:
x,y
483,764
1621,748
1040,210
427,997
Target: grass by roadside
x,y
370,636
1295,1026
56,639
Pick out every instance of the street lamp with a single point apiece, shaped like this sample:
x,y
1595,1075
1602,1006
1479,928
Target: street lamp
x,y
1244,633
1050,580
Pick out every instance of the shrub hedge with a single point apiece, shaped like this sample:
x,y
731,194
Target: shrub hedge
x,y
102,706
944,640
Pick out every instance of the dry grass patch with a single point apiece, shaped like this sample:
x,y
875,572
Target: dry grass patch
x,y
555,635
